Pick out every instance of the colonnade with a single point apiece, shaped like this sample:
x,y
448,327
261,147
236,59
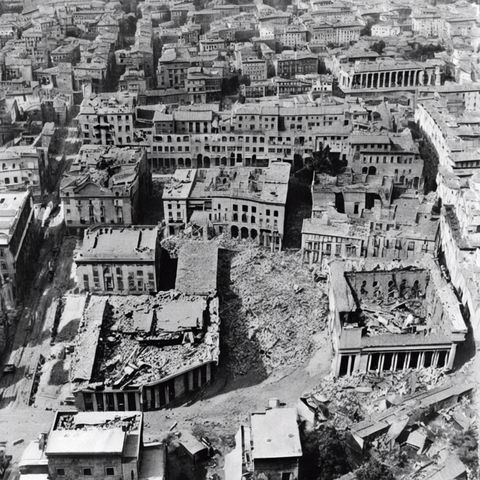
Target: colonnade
x,y
392,78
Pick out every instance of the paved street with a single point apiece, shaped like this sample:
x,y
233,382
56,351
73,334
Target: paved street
x,y
32,336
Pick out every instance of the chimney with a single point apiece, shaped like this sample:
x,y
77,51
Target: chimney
x,y
42,440
273,403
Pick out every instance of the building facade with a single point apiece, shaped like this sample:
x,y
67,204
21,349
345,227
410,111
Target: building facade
x,y
123,260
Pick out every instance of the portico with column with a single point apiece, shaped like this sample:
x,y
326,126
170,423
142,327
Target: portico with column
x,y
409,77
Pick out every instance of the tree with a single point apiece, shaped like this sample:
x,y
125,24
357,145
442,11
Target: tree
x,y
366,31
325,162
378,47
244,80
324,454
322,69
270,70
374,470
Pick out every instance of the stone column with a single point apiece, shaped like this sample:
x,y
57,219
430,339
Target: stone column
x,y
94,402
451,356
381,361
435,359
349,365
406,79
406,363
394,361
421,360
429,77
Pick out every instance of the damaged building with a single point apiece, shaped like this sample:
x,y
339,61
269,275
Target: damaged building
x,y
119,259
94,445
143,352
248,203
357,215
105,185
392,317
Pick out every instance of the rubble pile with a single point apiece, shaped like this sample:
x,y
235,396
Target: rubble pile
x,y
394,317
76,422
271,309
351,398
133,354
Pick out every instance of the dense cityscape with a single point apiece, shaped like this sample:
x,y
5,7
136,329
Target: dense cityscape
x,y
239,239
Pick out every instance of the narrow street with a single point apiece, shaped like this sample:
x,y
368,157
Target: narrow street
x,y
32,336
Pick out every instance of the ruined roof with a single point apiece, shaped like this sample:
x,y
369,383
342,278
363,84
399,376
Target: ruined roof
x,y
88,338
145,339
197,268
429,316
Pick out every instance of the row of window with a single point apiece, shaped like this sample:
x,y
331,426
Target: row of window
x,y
398,159
252,208
88,471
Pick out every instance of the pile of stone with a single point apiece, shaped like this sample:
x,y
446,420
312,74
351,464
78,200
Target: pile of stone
x,y
271,310
350,398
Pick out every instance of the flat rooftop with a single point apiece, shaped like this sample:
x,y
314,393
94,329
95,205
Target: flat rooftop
x,y
197,268
135,244
10,210
95,433
275,434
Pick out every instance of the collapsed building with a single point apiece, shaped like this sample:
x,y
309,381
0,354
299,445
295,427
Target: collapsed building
x,y
143,352
392,317
356,215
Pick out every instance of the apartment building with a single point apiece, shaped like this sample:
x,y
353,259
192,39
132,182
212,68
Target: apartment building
x,y
105,185
203,84
391,155
66,53
337,33
107,120
427,22
254,68
454,136
248,134
172,67
290,63
23,165
95,445
294,36
122,260
244,202
261,449
18,237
